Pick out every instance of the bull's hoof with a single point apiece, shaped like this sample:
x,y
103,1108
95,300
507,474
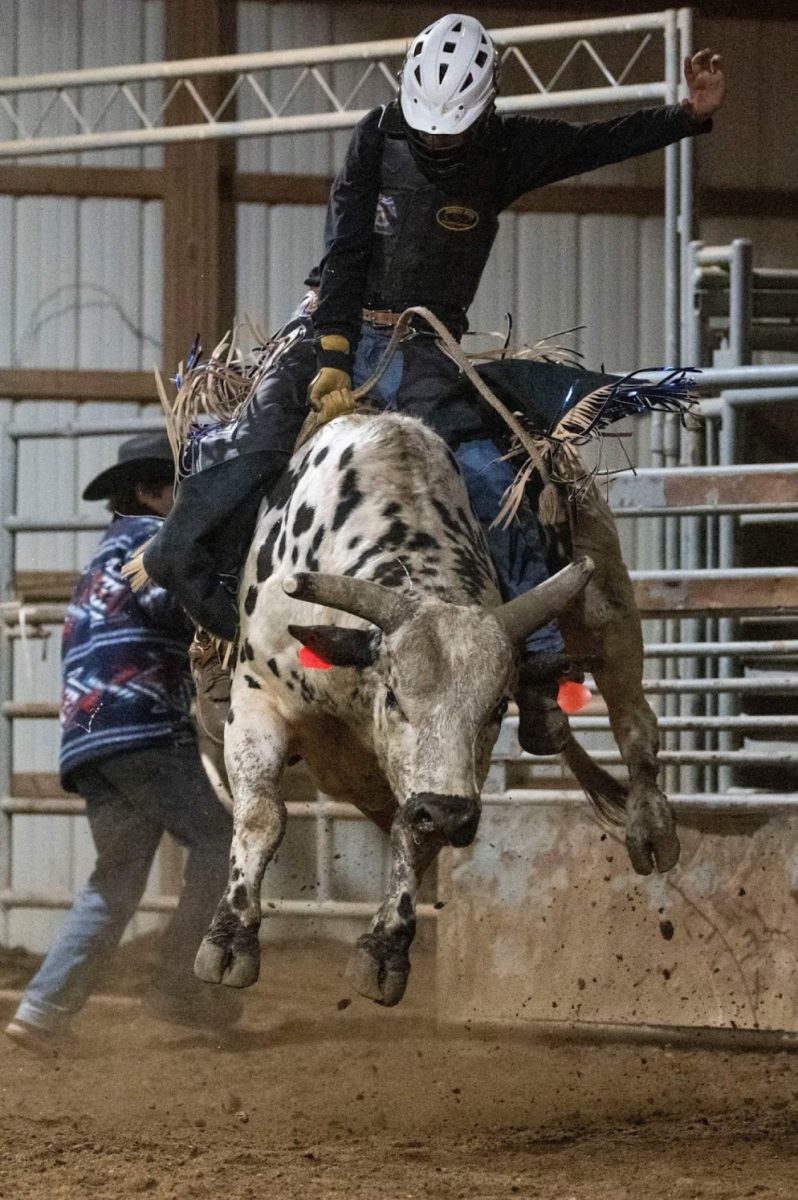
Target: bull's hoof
x,y
651,837
377,971
230,957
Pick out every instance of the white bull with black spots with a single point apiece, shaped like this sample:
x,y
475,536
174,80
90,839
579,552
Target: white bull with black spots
x,y
369,555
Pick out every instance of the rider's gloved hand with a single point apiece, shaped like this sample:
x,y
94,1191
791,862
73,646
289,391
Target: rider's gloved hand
x,y
334,368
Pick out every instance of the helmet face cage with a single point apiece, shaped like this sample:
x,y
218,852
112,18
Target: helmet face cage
x,y
437,161
449,77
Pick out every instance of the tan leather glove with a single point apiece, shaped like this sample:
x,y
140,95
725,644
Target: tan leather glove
x,y
330,378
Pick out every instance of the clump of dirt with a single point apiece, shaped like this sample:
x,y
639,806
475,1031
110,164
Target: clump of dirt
x,y
322,1094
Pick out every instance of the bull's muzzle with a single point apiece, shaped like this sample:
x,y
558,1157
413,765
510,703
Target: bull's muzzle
x,y
453,818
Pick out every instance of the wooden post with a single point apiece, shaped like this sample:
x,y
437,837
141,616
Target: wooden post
x,y
199,226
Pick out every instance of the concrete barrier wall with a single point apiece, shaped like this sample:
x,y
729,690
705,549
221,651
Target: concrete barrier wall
x,y
544,921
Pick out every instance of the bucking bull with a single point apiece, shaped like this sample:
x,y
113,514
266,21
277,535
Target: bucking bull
x,y
370,557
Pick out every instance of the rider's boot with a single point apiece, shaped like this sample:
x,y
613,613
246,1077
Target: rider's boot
x,y
211,674
542,725
199,551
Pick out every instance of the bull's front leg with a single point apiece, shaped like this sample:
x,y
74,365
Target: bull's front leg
x,y
255,752
380,963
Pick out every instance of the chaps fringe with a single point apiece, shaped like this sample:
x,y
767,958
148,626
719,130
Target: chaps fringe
x,y
134,570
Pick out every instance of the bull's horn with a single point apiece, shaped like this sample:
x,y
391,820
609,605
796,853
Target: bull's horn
x,y
384,607
526,613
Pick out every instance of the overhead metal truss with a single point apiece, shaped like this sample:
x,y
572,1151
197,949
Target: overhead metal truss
x,y
301,90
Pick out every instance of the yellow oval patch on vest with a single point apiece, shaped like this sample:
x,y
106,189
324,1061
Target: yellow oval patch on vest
x,y
457,218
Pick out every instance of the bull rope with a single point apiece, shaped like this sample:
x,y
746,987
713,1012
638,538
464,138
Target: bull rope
x,y
551,509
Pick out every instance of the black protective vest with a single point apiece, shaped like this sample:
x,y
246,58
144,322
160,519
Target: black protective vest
x,y
432,237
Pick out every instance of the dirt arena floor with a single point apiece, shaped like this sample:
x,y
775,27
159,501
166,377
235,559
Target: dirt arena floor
x,y
322,1094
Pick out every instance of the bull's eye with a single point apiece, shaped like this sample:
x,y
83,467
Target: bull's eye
x,y
392,704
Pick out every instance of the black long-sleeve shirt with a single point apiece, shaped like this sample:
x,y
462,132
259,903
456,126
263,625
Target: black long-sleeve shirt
x,y
397,235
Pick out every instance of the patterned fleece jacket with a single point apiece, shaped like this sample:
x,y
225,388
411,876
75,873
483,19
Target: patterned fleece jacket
x,y
126,679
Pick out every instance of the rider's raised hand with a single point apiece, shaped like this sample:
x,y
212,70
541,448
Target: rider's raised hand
x,y
706,83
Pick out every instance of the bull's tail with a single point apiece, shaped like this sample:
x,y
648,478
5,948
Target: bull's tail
x,y
606,794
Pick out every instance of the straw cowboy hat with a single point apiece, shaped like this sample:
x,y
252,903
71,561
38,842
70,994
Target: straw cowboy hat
x,y
146,458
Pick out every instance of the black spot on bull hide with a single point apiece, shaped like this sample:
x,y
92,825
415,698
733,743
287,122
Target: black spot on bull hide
x,y
423,541
303,519
350,497
395,535
311,560
251,600
264,564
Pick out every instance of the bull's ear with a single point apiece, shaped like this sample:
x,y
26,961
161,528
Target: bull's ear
x,y
337,646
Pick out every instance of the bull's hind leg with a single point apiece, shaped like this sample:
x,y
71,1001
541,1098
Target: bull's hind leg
x,y
380,963
651,837
255,753
605,625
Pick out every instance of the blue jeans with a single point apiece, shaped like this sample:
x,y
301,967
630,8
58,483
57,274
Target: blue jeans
x,y
131,799
517,551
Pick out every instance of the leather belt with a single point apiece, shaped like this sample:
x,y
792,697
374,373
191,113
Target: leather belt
x,y
379,316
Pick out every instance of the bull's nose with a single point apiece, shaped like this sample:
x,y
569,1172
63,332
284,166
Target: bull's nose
x,y
454,818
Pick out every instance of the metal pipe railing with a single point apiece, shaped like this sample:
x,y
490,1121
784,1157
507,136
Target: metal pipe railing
x,y
678,758
312,55
360,909
739,803
8,492
687,204
775,684
243,67
71,430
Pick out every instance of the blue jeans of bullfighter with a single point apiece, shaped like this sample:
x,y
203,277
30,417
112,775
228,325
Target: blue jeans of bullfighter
x,y
131,799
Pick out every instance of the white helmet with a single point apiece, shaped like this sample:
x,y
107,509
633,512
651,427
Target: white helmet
x,y
449,76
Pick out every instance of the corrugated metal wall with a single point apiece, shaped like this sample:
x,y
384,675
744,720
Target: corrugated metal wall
x,y
83,289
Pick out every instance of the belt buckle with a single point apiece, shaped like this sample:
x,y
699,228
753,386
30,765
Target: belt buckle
x,y
372,315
